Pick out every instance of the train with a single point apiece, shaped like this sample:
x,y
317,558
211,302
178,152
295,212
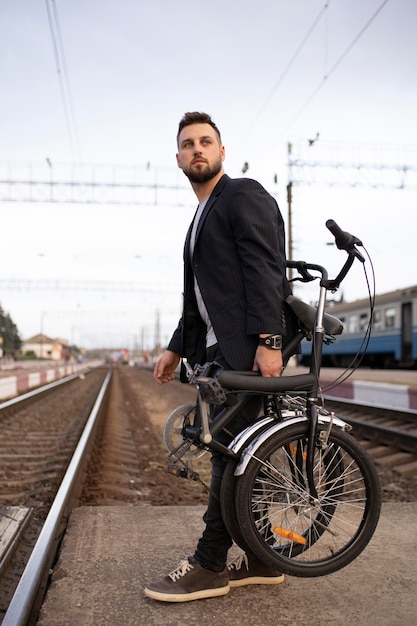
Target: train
x,y
393,340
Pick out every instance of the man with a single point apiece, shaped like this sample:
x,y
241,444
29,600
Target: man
x,y
234,290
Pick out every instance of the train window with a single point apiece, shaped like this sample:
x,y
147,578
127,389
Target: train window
x,y
377,320
389,315
363,321
353,324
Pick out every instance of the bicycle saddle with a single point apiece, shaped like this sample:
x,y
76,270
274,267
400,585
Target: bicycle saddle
x,y
307,316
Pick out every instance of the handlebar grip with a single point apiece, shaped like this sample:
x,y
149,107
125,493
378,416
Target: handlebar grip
x,y
343,239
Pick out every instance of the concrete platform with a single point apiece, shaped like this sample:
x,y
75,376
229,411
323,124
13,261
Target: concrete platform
x,y
28,376
392,389
110,553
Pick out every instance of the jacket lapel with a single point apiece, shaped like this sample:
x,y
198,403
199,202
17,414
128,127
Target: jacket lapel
x,y
211,201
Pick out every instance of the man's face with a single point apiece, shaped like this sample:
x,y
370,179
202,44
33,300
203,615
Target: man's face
x,y
200,155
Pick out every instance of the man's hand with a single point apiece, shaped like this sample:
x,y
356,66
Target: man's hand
x,y
166,366
268,362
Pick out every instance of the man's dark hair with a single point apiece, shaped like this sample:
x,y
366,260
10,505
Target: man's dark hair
x,y
197,118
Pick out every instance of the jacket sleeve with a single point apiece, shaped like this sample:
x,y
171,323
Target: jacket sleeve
x,y
175,342
260,240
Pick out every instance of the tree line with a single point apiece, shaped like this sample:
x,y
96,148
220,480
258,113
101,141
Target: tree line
x,y
10,341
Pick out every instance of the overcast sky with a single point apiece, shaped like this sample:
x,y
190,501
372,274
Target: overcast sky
x,y
268,72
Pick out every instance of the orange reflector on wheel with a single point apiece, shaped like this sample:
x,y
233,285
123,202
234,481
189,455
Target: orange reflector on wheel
x,y
293,450
289,534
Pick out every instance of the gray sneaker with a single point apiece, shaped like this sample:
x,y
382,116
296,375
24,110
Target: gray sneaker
x,y
242,572
189,581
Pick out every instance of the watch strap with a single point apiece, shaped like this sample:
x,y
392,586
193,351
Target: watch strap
x,y
272,342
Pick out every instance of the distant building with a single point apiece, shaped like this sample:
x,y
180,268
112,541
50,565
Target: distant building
x,y
44,347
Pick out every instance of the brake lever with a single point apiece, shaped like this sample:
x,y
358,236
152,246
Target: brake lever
x,y
357,254
305,277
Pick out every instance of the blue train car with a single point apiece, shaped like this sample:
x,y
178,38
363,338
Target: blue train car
x,y
393,341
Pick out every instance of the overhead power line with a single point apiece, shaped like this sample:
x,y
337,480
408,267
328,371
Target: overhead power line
x,y
335,65
290,63
63,77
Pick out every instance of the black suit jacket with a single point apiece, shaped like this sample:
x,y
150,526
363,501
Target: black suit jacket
x,y
239,263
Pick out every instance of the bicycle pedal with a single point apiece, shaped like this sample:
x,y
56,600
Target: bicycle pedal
x,y
182,472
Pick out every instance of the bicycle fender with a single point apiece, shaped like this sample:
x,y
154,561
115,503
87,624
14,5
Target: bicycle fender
x,y
255,444
246,435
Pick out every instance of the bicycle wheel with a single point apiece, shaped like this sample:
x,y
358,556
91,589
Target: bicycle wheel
x,y
172,433
284,526
297,452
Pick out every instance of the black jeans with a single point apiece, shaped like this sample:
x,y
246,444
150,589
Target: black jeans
x,y
212,547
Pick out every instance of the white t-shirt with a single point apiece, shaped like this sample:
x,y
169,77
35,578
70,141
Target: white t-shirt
x,y
211,338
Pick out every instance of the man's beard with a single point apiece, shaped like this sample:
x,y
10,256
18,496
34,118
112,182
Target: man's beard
x,y
203,175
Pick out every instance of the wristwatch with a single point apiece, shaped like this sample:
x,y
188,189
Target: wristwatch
x,y
272,342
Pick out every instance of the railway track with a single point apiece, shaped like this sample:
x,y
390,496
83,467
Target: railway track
x,y
49,439
389,436
128,462
40,433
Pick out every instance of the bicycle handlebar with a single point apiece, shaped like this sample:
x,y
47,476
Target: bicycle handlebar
x,y
344,240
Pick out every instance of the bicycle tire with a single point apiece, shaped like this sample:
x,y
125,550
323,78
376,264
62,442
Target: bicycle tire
x,y
227,500
227,488
282,525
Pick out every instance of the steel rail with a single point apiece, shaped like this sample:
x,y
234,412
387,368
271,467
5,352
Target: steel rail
x,y
25,594
387,435
398,436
